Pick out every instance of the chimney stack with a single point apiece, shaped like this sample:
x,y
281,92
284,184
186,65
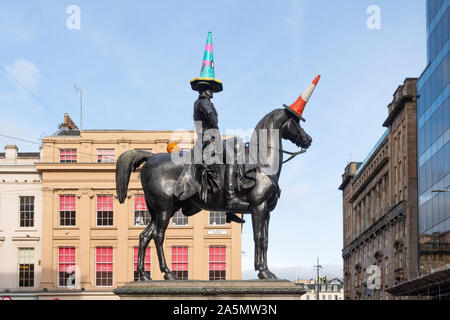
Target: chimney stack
x,y
68,123
11,153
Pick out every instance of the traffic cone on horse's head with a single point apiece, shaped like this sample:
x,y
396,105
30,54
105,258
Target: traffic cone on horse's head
x,y
299,105
207,74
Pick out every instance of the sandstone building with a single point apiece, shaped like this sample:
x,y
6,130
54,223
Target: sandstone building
x,y
89,239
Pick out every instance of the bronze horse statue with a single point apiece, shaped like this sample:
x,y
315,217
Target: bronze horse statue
x,y
160,173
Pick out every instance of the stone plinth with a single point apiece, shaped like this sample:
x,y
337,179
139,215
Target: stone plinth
x,y
210,290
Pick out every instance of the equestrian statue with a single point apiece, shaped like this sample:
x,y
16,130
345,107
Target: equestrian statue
x,y
216,174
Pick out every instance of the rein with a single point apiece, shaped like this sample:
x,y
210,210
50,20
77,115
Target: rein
x,y
293,154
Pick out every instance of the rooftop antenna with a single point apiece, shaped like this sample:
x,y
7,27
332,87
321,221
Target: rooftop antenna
x,y
80,90
318,266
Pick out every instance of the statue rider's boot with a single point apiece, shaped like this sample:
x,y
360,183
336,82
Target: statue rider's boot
x,y
234,217
233,202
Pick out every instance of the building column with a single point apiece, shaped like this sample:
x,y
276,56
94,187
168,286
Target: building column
x,y
83,252
199,221
384,196
236,252
121,215
378,200
48,211
363,215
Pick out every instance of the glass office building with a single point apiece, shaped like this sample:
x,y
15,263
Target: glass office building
x,y
433,124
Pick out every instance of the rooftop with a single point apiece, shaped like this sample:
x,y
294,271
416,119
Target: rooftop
x,y
371,153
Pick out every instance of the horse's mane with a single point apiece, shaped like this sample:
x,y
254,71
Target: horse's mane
x,y
267,121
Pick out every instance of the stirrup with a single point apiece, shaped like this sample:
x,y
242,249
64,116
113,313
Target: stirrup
x,y
233,217
236,204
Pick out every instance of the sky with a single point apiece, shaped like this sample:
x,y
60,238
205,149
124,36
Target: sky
x,y
135,60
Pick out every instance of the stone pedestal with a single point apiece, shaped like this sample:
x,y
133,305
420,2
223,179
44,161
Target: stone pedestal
x,y
210,290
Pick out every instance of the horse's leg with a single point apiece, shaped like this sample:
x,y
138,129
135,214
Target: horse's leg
x,y
260,222
266,243
162,221
144,239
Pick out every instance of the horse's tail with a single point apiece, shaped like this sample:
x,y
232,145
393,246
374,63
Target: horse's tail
x,y
128,160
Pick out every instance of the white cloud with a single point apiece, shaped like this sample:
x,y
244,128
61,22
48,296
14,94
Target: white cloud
x,y
25,72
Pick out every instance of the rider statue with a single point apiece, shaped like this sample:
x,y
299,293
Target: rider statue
x,y
205,112
206,120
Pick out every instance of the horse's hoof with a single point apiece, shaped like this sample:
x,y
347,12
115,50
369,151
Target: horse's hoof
x,y
170,276
143,276
266,275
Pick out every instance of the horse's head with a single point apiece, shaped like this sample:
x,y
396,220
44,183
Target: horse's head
x,y
292,131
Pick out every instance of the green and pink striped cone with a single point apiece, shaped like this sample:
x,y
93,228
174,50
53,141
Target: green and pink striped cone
x,y
207,74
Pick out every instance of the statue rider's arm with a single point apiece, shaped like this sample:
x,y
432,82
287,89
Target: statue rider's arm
x,y
210,113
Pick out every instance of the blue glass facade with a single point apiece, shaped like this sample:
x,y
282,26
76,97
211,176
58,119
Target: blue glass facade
x,y
433,135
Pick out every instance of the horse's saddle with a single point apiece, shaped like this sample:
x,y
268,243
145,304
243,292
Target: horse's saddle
x,y
201,178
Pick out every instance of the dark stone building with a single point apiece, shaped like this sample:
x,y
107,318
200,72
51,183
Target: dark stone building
x,y
380,206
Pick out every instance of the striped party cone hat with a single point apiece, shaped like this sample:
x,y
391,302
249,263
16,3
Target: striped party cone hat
x,y
207,74
299,105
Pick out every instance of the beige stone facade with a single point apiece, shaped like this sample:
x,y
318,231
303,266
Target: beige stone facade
x,y
380,206
331,290
92,177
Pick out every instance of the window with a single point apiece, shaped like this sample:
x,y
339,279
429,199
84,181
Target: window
x,y
103,266
147,263
307,297
67,210
26,267
68,155
179,219
217,218
180,264
105,210
323,298
141,214
329,297
105,155
336,297
66,266
26,211
217,262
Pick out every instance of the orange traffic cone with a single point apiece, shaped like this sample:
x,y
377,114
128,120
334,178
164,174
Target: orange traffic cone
x,y
172,147
299,105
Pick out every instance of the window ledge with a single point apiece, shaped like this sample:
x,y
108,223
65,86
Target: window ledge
x,y
180,227
217,226
25,229
25,238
